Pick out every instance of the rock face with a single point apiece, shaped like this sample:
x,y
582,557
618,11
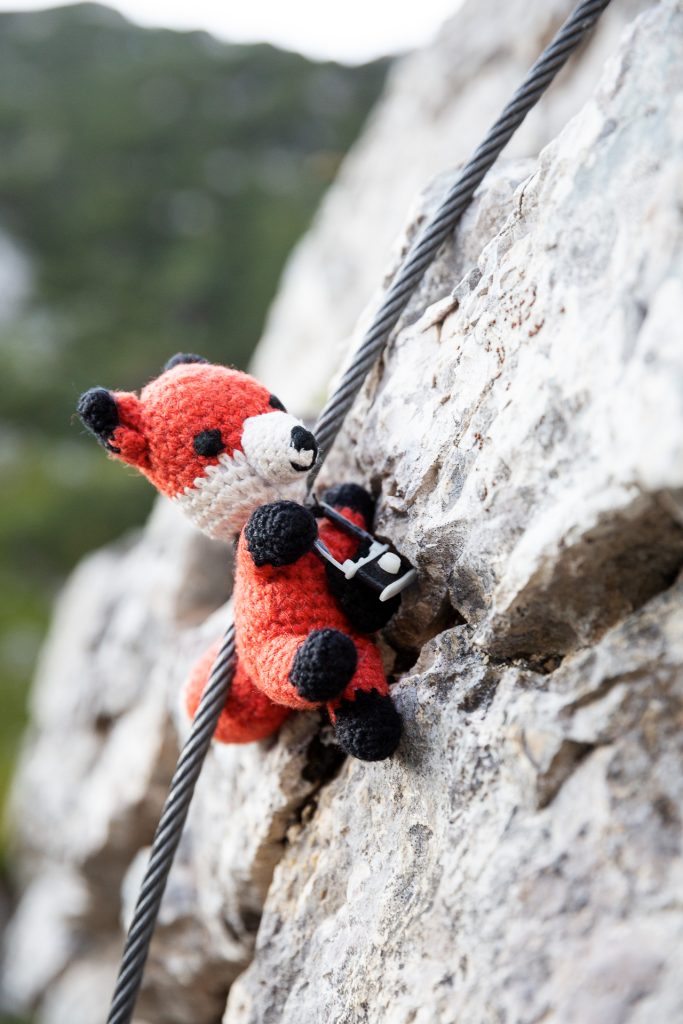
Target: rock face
x,y
436,109
520,859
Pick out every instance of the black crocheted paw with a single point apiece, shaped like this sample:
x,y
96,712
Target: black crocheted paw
x,y
280,533
324,665
368,727
352,496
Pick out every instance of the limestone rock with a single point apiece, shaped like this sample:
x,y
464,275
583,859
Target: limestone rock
x,y
526,438
519,860
106,727
434,112
248,798
100,750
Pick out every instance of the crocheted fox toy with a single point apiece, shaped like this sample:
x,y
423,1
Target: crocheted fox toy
x,y
221,447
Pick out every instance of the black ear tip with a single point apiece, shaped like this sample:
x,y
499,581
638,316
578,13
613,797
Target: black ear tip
x,y
97,409
183,357
352,496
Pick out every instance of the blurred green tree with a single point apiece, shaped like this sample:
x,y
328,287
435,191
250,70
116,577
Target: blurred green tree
x,y
152,183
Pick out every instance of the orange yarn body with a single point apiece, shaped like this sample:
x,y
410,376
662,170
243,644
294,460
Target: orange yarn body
x,y
248,714
275,610
155,431
221,446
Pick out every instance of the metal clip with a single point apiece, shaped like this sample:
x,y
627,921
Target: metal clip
x,y
382,569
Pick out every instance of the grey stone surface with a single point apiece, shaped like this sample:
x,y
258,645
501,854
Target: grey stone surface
x,y
99,752
525,436
247,799
434,112
519,860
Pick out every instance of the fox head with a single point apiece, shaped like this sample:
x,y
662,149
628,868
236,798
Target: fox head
x,y
212,439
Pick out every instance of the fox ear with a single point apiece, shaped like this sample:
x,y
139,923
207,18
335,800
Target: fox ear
x,y
114,418
183,357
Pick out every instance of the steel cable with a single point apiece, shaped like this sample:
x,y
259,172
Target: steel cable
x,y
407,279
447,217
169,831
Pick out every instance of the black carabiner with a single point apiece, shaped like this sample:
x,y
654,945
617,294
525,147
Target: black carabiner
x,y
382,569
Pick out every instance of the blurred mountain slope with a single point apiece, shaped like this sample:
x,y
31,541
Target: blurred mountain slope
x,y
151,184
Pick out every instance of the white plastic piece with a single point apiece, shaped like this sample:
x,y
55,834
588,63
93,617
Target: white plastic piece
x,y
390,562
350,568
398,585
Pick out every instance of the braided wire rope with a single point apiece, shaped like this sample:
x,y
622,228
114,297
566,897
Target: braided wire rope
x,y
408,277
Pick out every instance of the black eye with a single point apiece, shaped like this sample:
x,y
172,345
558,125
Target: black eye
x,y
276,403
208,443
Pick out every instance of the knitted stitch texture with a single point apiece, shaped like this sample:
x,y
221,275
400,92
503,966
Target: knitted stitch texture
x,y
156,431
248,713
277,607
221,445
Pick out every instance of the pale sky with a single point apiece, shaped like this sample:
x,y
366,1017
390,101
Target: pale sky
x,y
349,30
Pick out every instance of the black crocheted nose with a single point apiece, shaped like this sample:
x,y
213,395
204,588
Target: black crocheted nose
x,y
303,440
98,412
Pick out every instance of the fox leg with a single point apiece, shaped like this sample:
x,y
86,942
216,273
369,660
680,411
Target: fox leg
x,y
305,671
298,671
248,713
366,722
